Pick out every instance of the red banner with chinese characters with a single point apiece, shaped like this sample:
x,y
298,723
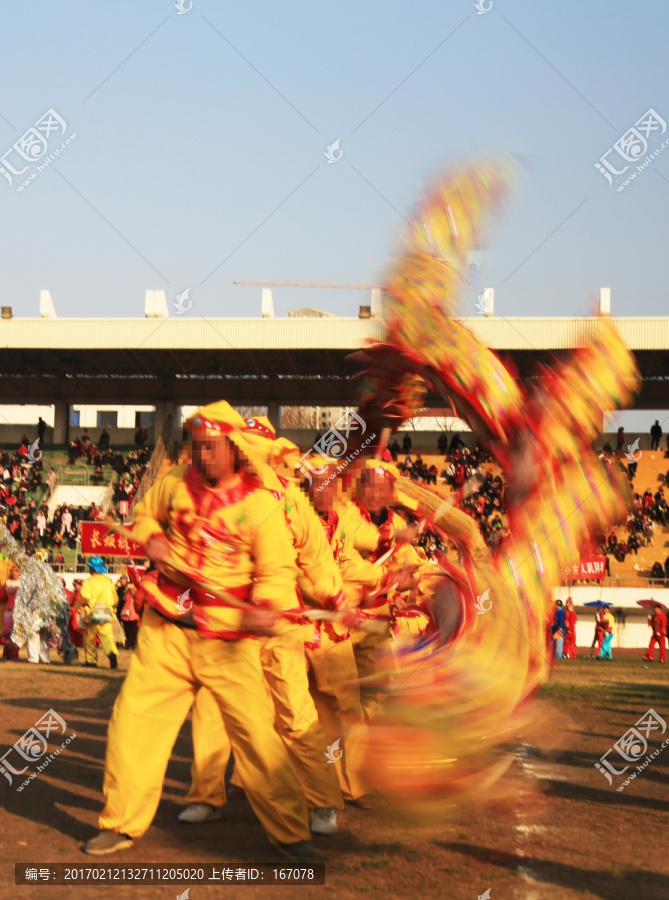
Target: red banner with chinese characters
x,y
588,568
98,540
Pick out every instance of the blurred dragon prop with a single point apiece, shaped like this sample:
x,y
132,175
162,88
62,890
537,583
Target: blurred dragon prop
x,y
452,710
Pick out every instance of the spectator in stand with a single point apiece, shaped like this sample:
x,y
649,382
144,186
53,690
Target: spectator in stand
x,y
620,437
66,521
631,470
406,444
658,624
456,444
41,524
647,500
655,435
442,444
74,451
620,551
666,452
41,428
657,572
633,544
612,541
647,527
104,440
395,450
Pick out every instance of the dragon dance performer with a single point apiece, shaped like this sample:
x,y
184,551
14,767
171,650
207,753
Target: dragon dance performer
x,y
216,528
376,530
331,659
283,663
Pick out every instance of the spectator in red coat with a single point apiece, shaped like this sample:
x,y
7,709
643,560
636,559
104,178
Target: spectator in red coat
x,y
658,624
570,619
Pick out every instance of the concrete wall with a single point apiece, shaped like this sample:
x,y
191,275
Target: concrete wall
x,y
10,435
421,440
427,440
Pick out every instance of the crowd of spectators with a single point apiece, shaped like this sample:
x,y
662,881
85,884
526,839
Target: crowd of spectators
x,y
483,494
28,518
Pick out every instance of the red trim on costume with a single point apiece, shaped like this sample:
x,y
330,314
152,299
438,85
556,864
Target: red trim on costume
x,y
329,524
207,500
257,427
203,424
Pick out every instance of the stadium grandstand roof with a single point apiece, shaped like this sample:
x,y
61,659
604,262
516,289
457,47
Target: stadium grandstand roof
x,y
298,361
294,333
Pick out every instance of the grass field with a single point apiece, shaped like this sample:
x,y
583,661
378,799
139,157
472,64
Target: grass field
x,y
563,832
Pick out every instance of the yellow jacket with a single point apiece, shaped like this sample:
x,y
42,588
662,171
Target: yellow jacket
x,y
320,576
370,540
97,590
232,541
358,575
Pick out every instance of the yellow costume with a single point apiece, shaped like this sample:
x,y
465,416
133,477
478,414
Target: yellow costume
x,y
232,542
98,591
283,663
332,668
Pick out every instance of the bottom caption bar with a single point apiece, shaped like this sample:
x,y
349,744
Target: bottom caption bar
x,y
195,873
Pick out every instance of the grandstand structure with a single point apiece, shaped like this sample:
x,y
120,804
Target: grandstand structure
x,y
169,362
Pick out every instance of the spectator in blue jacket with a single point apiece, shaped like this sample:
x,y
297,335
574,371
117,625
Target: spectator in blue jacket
x,y
558,629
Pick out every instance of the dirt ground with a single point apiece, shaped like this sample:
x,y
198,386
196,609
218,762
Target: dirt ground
x,y
565,834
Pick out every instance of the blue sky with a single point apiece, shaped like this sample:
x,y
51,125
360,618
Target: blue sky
x,y
200,140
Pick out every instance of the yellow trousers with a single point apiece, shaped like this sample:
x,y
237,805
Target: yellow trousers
x,y
165,673
366,647
334,686
106,634
296,720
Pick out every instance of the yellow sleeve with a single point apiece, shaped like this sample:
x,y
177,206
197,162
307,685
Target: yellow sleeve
x,y
314,555
274,569
364,535
359,576
86,594
151,513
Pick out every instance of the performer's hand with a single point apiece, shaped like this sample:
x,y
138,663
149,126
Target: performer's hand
x,y
158,548
405,578
400,601
351,617
408,534
259,621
